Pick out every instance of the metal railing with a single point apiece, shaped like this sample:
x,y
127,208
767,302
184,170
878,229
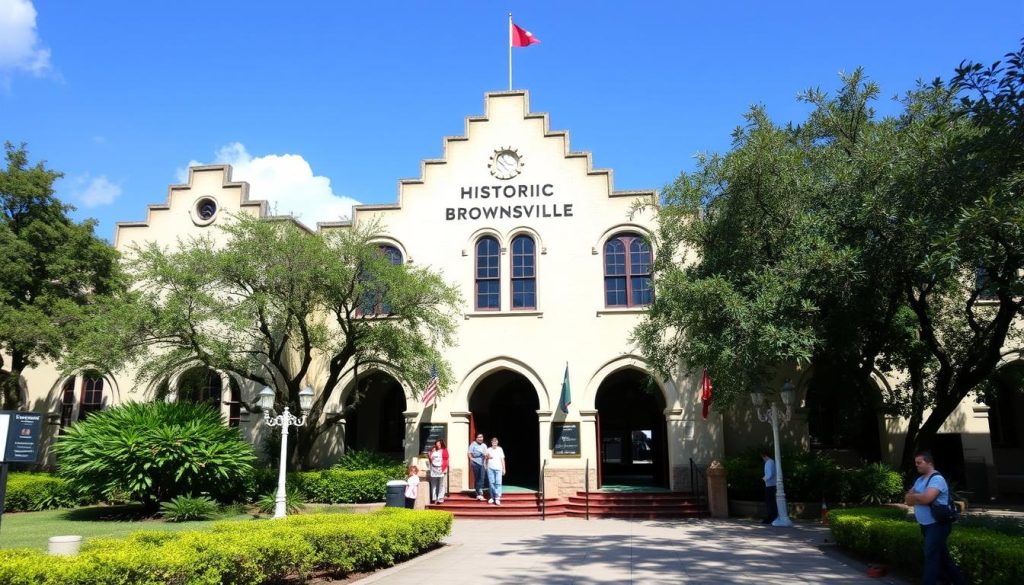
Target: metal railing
x,y
543,506
586,490
699,482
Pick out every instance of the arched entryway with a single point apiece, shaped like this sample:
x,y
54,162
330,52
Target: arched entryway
x,y
632,433
504,405
1005,399
843,416
374,419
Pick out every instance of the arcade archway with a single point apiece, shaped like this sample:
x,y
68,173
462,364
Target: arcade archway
x,y
375,422
504,405
632,436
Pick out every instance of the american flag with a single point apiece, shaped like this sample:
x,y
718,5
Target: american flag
x,y
430,392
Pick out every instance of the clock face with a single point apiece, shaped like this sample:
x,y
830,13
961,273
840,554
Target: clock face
x,y
505,163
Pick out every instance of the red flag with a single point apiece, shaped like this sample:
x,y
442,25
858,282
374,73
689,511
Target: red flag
x,y
705,393
522,37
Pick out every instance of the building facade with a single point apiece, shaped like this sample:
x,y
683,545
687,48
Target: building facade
x,y
554,268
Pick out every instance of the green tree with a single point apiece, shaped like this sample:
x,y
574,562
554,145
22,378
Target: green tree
x,y
281,307
852,242
52,270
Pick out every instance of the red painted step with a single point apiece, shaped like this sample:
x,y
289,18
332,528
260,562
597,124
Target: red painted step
x,y
513,505
636,505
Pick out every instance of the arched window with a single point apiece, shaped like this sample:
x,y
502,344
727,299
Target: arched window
x,y
627,271
373,301
201,385
67,403
234,403
92,395
524,273
488,274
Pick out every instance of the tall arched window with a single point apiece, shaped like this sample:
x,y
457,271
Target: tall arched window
x,y
627,271
374,300
488,274
201,385
67,403
92,395
524,273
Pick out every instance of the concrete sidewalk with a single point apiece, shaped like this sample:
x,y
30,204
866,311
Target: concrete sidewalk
x,y
574,551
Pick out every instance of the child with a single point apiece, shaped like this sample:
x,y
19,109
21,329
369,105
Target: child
x,y
413,487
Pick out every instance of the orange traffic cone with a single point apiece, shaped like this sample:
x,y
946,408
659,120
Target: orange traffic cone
x,y
824,513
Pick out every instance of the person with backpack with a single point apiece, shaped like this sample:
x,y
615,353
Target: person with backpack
x,y
933,509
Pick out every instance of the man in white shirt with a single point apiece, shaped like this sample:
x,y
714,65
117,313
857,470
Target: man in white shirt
x,y
495,459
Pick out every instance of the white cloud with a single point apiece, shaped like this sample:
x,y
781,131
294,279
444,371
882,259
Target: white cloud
x,y
19,41
98,191
286,181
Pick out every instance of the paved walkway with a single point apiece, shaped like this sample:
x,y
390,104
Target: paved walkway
x,y
578,552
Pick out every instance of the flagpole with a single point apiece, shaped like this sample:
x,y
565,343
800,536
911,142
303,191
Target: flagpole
x,y
510,51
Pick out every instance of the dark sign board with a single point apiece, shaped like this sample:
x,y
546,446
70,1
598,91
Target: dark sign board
x,y
19,436
431,432
565,439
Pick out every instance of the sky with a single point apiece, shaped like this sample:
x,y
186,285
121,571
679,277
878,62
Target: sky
x,y
323,104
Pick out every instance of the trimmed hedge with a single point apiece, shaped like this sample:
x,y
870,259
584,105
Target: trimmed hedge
x,y
341,486
890,534
240,552
39,491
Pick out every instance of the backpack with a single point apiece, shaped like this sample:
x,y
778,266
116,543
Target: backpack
x,y
943,513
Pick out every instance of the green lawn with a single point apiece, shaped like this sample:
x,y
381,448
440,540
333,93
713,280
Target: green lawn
x,y
33,529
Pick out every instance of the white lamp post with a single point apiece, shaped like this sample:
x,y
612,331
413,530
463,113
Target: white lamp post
x,y
284,420
775,417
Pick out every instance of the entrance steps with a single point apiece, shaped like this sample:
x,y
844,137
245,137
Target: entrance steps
x,y
513,506
637,505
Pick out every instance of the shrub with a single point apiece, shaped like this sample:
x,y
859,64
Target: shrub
x,y
250,552
155,451
293,500
810,477
366,460
185,508
889,534
340,486
876,484
39,491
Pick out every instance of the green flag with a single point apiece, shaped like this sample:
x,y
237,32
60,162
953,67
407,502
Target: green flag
x,y
566,399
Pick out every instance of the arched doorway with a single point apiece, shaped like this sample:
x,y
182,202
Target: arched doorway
x,y
843,416
374,419
504,405
202,386
632,433
1005,399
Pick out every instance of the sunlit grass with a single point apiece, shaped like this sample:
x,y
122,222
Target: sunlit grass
x,y
33,529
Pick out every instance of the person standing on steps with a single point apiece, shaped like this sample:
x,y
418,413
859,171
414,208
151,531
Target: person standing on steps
x,y
495,459
438,457
477,453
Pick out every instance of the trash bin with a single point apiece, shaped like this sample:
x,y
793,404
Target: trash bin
x,y
396,494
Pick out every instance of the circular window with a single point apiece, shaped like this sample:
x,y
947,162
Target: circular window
x,y
205,209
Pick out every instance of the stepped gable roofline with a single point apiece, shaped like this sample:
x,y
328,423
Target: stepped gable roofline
x,y
226,182
527,114
290,219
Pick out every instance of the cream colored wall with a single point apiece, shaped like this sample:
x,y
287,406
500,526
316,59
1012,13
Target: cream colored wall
x,y
570,323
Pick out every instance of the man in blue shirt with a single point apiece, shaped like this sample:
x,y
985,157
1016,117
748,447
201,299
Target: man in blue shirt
x,y
477,450
932,487
770,480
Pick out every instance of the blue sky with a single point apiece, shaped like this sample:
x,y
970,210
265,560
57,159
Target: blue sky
x,y
321,103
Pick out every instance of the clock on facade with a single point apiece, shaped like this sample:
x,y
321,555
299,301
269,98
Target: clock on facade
x,y
505,163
